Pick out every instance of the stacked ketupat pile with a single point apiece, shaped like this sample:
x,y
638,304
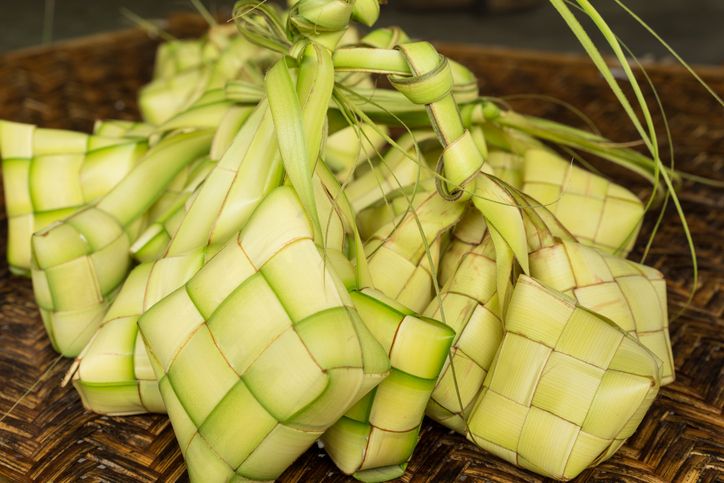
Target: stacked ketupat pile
x,y
304,275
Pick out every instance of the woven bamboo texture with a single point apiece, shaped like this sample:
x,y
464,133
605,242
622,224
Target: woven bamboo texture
x,y
49,437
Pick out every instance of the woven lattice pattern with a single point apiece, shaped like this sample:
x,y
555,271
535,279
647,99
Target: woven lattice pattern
x,y
507,166
95,249
375,439
566,389
93,245
599,213
468,303
596,211
50,437
630,294
49,174
114,374
465,235
401,254
167,214
265,351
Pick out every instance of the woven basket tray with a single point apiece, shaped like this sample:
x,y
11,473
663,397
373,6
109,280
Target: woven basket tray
x,y
48,436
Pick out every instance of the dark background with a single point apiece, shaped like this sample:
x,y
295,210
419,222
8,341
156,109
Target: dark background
x,y
695,28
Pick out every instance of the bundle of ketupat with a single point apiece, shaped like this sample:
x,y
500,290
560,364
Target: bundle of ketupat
x,y
307,274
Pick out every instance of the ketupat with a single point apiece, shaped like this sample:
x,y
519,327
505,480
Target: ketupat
x,y
566,389
457,389
403,255
250,455
266,307
168,213
113,374
48,174
597,212
631,295
375,439
91,247
468,303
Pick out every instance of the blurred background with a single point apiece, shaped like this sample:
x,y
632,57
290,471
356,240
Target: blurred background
x,y
695,28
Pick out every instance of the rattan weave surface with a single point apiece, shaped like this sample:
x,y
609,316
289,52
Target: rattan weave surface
x,y
48,436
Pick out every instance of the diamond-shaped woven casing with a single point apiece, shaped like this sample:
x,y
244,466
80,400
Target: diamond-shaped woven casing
x,y
261,351
50,174
375,439
91,247
468,303
113,374
400,255
597,212
630,294
566,387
